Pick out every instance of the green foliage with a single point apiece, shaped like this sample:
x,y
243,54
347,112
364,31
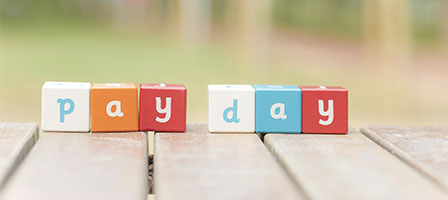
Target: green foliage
x,y
427,22
339,17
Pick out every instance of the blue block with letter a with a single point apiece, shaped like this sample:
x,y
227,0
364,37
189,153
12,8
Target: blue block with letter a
x,y
278,109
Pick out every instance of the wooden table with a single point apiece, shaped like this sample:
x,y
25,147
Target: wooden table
x,y
83,166
374,163
348,167
16,140
423,148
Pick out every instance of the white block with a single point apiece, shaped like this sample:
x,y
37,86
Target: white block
x,y
231,108
66,106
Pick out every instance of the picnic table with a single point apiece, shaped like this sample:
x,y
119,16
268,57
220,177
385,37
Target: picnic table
x,y
375,162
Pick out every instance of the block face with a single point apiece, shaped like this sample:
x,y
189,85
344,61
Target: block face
x,y
163,107
231,108
324,109
66,106
114,107
278,109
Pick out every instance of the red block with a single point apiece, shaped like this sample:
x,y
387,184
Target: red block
x,y
324,109
163,107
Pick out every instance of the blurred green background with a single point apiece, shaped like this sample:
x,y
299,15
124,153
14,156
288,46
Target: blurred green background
x,y
391,55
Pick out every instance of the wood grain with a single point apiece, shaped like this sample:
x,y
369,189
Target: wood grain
x,y
425,148
200,165
16,140
348,167
83,166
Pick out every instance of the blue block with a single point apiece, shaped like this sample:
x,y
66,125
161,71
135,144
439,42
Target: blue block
x,y
278,109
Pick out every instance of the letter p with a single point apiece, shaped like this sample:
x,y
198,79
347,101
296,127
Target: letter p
x,y
62,111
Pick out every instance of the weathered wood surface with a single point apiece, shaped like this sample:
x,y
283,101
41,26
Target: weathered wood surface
x,y
199,165
197,129
83,166
16,140
348,167
425,148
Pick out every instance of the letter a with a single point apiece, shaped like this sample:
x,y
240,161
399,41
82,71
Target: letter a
x,y
328,113
281,113
117,112
166,111
62,111
234,110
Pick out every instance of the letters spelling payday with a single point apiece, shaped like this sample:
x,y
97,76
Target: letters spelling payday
x,y
278,109
68,106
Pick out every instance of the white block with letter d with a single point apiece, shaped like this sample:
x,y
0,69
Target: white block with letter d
x,y
231,108
66,106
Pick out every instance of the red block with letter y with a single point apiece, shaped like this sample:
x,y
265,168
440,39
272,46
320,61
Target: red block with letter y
x,y
163,107
324,109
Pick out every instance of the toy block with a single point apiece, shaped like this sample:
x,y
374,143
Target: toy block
x,y
114,107
231,108
278,109
66,106
163,107
324,109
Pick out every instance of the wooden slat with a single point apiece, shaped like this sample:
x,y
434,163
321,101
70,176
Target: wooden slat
x,y
200,165
425,148
83,166
150,136
16,140
348,167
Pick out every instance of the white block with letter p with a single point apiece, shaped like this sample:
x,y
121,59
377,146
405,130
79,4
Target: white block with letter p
x,y
66,106
231,108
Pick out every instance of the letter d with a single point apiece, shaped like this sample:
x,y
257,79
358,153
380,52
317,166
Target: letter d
x,y
234,110
63,111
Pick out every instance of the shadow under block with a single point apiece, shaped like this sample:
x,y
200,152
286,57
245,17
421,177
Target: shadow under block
x,y
231,108
16,140
348,167
201,165
83,166
425,148
114,107
163,107
66,106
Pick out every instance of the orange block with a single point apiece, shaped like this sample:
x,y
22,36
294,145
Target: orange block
x,y
114,107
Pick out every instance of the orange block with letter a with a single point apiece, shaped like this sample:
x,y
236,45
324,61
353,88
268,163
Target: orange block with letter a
x,y
114,107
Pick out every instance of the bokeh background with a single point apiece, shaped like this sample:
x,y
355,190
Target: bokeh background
x,y
391,55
